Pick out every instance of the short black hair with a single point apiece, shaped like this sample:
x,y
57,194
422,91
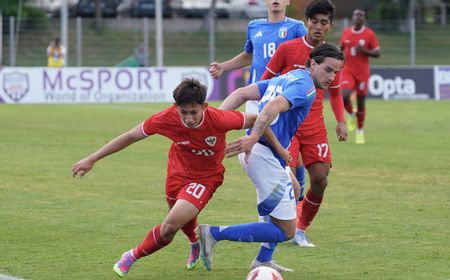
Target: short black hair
x,y
189,91
322,7
319,53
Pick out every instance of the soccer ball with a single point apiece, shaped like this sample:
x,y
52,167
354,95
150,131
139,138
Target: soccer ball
x,y
264,273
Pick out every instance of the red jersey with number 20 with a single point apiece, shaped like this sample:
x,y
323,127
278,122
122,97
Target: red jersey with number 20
x,y
195,152
356,62
293,54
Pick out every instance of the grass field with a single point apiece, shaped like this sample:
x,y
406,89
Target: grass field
x,y
385,215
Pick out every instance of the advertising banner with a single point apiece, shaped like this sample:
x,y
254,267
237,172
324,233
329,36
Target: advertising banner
x,y
401,83
442,77
388,83
95,84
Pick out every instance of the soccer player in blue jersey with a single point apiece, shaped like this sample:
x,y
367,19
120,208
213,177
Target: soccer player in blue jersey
x,y
263,37
284,103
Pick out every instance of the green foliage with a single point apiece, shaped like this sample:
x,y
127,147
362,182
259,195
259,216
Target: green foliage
x,y
31,16
389,9
385,213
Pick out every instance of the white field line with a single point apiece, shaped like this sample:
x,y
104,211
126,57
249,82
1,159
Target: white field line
x,y
9,277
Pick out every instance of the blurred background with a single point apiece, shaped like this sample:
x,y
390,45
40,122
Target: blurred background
x,y
195,32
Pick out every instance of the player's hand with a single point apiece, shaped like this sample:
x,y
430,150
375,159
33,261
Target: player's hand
x,y
286,156
216,70
341,131
241,145
360,49
82,167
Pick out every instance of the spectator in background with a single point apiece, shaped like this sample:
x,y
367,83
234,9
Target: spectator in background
x,y
56,54
139,54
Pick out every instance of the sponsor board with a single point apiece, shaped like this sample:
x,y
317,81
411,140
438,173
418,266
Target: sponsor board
x,y
95,84
401,83
388,83
442,78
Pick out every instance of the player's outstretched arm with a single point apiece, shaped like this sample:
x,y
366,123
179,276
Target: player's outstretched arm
x,y
243,59
85,165
267,115
240,96
250,119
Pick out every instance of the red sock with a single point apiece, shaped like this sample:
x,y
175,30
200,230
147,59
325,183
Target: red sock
x,y
348,106
189,230
360,116
299,209
310,206
152,243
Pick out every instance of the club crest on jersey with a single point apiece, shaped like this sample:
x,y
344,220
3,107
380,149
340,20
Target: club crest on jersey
x,y
282,33
211,140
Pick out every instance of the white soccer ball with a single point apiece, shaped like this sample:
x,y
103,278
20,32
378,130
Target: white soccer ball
x,y
264,273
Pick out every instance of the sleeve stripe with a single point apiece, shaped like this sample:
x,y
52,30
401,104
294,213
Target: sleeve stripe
x,y
335,86
142,129
268,69
311,91
245,120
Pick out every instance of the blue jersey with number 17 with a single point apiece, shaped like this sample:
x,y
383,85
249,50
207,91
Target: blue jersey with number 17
x,y
263,38
298,88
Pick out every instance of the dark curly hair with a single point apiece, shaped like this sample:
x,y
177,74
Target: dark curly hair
x,y
319,53
189,91
322,7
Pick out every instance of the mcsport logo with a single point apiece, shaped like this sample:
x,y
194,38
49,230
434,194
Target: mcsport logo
x,y
15,85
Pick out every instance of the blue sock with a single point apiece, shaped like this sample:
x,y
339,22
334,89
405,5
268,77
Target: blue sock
x,y
251,232
266,252
301,179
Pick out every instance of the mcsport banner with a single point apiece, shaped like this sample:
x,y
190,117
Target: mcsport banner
x,y
94,84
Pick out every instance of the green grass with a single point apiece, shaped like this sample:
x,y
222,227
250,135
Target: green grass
x,y
385,215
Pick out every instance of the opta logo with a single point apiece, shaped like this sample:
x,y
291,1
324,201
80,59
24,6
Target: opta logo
x,y
15,85
388,87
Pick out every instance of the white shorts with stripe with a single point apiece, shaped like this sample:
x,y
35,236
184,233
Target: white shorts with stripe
x,y
275,196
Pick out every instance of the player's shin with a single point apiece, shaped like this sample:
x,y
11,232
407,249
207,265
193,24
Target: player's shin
x,y
251,232
300,175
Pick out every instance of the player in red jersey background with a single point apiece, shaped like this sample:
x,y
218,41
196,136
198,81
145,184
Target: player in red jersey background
x,y
358,43
194,167
311,137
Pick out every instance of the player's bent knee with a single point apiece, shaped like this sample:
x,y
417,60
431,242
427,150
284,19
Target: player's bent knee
x,y
290,233
287,231
168,230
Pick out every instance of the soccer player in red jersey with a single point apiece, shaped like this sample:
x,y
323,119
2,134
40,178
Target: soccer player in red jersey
x,y
194,169
311,140
358,43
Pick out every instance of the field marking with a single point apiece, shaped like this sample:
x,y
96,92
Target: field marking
x,y
9,277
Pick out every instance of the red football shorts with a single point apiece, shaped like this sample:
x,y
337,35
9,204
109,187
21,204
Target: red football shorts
x,y
197,192
351,82
313,146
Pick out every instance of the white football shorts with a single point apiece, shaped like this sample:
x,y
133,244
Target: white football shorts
x,y
275,195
